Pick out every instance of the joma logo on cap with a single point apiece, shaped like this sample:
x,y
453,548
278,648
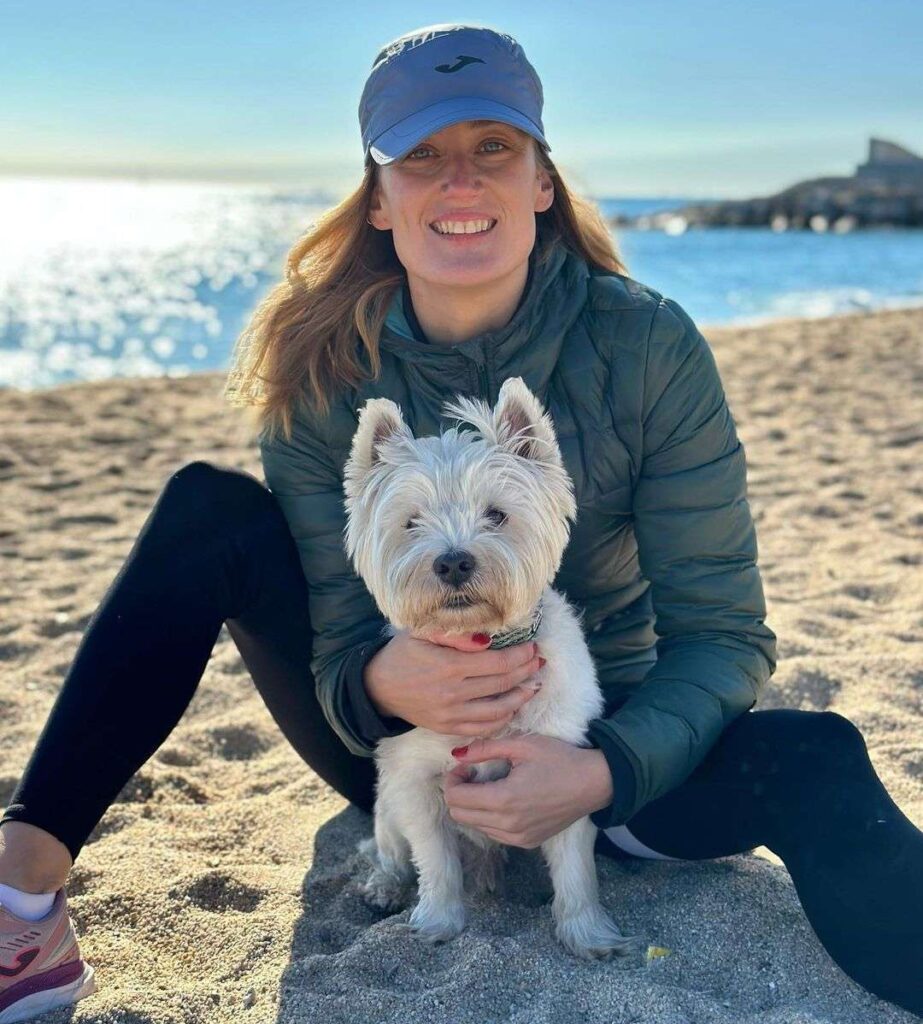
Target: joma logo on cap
x,y
447,69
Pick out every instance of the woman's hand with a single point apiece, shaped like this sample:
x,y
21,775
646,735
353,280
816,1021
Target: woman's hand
x,y
550,785
451,684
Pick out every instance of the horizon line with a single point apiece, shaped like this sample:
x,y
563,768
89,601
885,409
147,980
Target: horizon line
x,y
247,177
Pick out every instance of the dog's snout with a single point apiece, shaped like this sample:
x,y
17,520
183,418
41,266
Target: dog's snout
x,y
454,567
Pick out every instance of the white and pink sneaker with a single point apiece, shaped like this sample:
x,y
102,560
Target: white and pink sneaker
x,y
40,963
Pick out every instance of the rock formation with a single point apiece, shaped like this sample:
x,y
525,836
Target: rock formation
x,y
885,191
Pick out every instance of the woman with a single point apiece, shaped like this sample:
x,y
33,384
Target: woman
x,y
384,297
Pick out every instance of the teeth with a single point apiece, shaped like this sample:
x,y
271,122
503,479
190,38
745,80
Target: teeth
x,y
458,227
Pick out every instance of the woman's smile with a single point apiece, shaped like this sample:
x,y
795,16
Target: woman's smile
x,y
466,236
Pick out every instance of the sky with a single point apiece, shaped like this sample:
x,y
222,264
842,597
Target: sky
x,y
653,98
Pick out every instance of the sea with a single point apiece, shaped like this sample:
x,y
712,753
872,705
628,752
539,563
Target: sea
x,y
104,278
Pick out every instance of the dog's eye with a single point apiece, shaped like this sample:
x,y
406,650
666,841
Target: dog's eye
x,y
494,514
411,523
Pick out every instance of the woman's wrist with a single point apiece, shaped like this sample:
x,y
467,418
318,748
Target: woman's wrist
x,y
598,788
372,684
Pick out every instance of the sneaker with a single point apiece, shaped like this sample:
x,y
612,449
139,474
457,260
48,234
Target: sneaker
x,y
40,963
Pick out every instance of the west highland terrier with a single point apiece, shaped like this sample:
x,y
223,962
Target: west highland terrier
x,y
494,504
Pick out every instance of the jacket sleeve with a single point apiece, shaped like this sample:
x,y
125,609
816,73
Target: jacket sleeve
x,y
307,481
697,546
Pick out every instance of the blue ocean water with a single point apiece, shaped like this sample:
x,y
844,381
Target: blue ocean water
x,y
103,278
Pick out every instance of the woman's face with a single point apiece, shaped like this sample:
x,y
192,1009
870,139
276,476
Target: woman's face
x,y
469,171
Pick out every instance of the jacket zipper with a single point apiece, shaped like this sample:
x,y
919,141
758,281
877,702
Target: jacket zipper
x,y
484,372
484,382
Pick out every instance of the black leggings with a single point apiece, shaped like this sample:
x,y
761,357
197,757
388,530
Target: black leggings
x,y
216,549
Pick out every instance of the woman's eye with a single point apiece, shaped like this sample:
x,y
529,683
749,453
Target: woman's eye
x,y
488,142
494,514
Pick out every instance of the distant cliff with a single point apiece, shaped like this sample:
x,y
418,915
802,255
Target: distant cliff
x,y
886,190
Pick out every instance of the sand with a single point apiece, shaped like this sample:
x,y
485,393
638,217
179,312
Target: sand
x,y
223,883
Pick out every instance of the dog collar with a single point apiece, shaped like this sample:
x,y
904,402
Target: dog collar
x,y
519,635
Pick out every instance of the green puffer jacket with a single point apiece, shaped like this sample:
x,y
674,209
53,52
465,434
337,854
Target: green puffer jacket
x,y
662,558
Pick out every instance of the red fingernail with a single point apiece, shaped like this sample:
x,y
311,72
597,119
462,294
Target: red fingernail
x,y
481,638
542,662
459,751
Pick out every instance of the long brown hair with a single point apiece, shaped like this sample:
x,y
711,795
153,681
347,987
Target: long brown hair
x,y
340,277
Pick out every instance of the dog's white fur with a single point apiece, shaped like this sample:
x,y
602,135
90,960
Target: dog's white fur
x,y
409,500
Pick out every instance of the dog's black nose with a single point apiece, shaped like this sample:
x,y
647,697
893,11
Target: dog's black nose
x,y
454,567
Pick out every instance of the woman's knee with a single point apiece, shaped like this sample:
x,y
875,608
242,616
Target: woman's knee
x,y
811,744
793,744
840,740
823,730
216,497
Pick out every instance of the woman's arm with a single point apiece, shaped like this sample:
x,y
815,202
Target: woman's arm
x,y
697,546
304,476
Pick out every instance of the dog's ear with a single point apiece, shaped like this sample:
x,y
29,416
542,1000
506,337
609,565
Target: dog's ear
x,y
380,419
522,425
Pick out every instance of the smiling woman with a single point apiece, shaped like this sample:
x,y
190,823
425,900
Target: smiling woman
x,y
462,209
342,276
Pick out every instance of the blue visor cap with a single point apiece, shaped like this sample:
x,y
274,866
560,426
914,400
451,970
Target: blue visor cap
x,y
436,76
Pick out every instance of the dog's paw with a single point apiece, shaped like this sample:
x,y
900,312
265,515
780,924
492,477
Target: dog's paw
x,y
385,891
434,924
592,935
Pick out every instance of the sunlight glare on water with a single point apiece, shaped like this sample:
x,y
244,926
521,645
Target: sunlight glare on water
x,y
103,278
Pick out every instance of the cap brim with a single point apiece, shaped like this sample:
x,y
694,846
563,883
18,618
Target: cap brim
x,y
402,137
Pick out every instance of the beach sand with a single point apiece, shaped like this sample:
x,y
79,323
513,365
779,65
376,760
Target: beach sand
x,y
223,883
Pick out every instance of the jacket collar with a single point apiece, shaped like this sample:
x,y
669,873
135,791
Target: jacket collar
x,y
528,345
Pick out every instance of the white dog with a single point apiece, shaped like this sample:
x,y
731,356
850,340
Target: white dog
x,y
464,533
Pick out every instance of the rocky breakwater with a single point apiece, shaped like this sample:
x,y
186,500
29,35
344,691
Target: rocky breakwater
x,y
886,191
824,204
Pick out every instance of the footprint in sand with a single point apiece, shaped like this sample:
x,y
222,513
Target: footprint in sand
x,y
145,787
177,789
84,520
869,592
842,612
11,650
72,554
50,486
825,512
238,743
138,790
218,892
64,590
80,880
177,758
813,628
114,820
